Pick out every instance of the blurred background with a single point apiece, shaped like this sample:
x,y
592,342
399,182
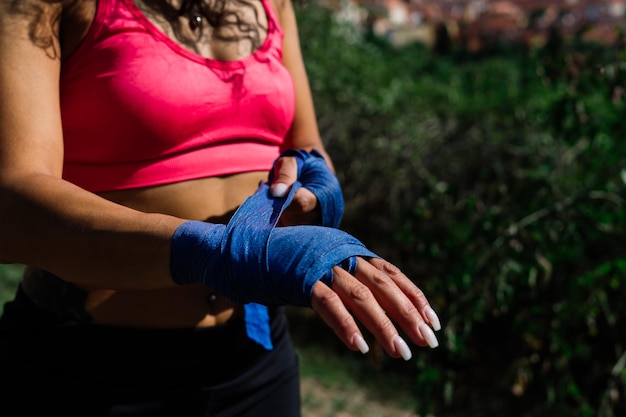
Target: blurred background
x,y
481,146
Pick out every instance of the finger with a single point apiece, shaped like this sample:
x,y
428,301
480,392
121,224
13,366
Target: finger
x,y
359,299
409,288
332,310
304,201
304,209
285,174
402,309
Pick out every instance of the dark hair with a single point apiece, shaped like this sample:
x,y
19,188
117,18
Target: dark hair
x,y
43,23
45,16
235,27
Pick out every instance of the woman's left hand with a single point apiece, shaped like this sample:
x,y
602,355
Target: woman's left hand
x,y
304,208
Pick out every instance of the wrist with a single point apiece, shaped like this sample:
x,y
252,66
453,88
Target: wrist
x,y
195,247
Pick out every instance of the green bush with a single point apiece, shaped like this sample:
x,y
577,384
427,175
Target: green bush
x,y
497,182
9,278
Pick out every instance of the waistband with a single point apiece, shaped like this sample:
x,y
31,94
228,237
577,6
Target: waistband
x,y
59,297
133,356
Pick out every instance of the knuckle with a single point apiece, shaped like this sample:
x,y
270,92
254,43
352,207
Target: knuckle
x,y
282,176
408,311
310,203
328,298
360,293
380,279
305,199
346,322
285,167
386,327
416,294
387,267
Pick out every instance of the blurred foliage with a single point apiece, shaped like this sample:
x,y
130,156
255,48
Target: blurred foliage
x,y
9,278
496,181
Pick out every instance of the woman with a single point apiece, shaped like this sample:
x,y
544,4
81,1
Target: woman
x,y
124,125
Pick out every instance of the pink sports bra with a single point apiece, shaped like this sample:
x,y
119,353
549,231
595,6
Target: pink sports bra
x,y
140,110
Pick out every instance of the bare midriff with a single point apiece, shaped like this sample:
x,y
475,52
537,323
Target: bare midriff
x,y
209,199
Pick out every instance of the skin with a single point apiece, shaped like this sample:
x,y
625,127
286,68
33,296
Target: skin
x,y
117,244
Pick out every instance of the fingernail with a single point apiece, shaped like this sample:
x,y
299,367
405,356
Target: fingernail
x,y
428,334
360,343
279,190
402,348
432,318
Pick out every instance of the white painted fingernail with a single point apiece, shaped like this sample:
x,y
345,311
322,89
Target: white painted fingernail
x,y
279,190
428,334
402,348
360,343
432,318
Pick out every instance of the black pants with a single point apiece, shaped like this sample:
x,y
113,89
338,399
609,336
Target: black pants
x,y
53,366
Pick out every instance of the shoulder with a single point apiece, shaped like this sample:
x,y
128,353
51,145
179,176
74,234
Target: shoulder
x,y
282,7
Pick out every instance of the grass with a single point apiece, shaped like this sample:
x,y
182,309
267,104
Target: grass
x,y
10,275
350,380
335,384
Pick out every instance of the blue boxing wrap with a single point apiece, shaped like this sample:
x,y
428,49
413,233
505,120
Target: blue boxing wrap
x,y
250,260
316,176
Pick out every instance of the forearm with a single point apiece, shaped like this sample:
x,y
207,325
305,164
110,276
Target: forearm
x,y
304,132
51,224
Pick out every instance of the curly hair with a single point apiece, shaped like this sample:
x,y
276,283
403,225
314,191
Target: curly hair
x,y
44,18
237,20
228,15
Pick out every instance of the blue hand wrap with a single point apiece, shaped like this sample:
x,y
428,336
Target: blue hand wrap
x,y
315,175
251,261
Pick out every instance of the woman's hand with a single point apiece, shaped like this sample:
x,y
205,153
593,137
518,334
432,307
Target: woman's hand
x,y
304,208
379,296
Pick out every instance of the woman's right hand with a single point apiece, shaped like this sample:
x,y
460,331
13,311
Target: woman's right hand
x,y
380,297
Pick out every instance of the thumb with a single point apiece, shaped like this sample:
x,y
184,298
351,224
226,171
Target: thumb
x,y
285,175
